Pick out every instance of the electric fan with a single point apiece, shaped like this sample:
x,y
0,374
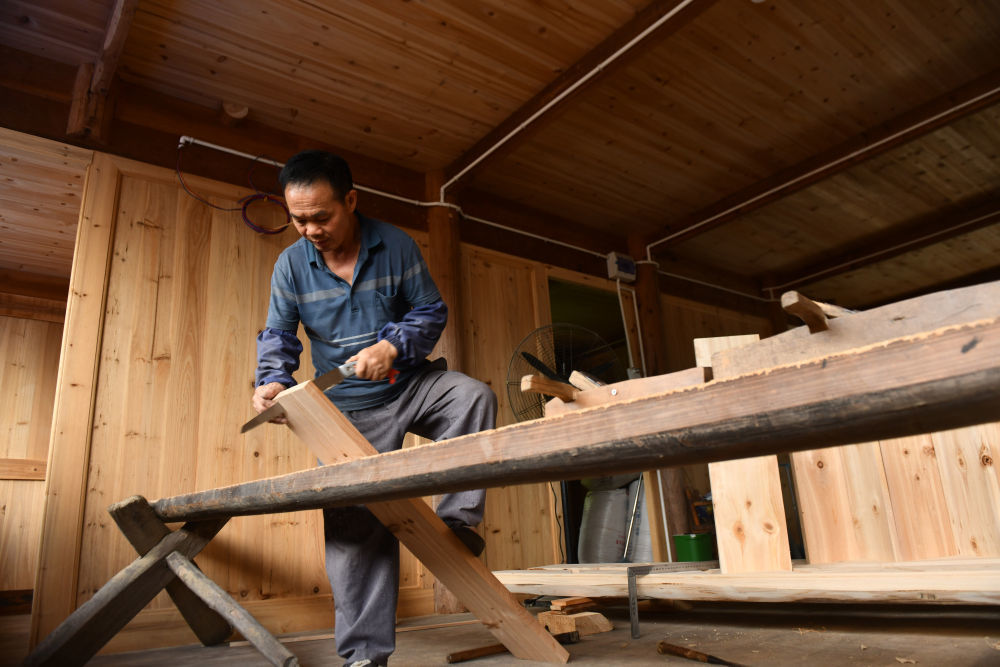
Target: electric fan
x,y
554,351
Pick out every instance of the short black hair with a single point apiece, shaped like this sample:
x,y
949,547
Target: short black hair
x,y
310,166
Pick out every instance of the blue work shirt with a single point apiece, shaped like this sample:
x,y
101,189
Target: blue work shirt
x,y
392,297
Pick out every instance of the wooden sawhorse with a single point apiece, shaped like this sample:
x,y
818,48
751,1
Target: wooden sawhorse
x,y
165,562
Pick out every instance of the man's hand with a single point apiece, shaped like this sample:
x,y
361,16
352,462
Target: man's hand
x,y
375,362
263,398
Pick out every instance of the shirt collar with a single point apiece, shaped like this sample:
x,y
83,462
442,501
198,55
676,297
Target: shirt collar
x,y
370,239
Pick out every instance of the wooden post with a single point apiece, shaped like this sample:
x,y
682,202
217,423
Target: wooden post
x,y
332,438
444,263
445,266
666,486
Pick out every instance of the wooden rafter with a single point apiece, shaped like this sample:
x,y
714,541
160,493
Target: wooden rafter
x,y
904,128
929,230
579,76
93,80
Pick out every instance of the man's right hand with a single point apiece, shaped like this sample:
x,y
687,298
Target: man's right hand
x,y
263,398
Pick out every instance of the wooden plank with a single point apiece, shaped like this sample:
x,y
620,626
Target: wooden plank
x,y
933,385
628,390
921,513
30,350
20,529
56,581
750,529
704,348
844,503
88,628
751,532
22,469
222,603
978,585
965,459
904,318
331,437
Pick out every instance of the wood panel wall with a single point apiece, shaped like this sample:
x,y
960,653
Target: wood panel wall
x,y
29,357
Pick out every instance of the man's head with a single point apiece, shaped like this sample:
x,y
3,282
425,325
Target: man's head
x,y
308,167
321,200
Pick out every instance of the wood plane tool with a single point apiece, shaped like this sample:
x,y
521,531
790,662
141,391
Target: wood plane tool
x,y
323,382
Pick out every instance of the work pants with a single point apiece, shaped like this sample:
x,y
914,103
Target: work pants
x,y
362,556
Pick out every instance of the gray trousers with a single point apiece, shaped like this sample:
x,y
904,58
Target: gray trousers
x,y
362,556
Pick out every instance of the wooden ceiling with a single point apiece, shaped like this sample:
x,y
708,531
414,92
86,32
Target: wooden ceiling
x,y
848,150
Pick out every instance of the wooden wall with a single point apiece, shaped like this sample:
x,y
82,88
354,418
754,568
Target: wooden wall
x,y
29,357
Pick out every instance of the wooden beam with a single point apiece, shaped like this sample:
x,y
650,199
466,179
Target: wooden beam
x,y
917,384
32,308
22,469
906,127
69,448
98,619
929,230
331,437
93,81
657,21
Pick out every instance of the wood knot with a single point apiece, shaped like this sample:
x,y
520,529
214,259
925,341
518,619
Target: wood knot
x,y
819,464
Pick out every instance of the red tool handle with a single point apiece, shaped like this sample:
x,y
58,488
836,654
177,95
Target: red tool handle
x,y
393,374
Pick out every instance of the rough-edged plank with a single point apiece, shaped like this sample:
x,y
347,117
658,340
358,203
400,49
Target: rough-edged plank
x,y
904,318
873,583
942,379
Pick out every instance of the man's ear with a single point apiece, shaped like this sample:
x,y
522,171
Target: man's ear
x,y
351,200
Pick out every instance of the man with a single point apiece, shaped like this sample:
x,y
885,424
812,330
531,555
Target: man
x,y
362,292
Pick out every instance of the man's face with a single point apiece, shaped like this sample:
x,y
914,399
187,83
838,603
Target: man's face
x,y
325,221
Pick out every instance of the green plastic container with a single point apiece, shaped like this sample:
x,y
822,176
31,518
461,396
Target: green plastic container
x,y
692,547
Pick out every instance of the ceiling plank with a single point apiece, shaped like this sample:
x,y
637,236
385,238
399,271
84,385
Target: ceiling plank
x,y
906,127
659,19
93,82
929,230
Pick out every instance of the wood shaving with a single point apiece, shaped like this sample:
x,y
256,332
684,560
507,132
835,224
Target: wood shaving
x,y
905,661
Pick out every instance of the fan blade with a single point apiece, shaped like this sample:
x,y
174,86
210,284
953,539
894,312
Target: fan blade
x,y
540,366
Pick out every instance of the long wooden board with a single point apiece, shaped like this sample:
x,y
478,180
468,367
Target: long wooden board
x,y
940,582
943,379
314,419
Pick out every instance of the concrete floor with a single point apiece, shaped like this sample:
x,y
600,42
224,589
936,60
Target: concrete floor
x,y
748,634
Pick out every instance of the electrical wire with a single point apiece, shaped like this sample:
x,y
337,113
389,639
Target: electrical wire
x,y
244,203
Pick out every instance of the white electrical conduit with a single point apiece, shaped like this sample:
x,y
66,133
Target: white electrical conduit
x,y
185,140
576,84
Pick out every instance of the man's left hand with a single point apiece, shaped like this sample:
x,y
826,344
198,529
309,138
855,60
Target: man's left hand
x,y
375,362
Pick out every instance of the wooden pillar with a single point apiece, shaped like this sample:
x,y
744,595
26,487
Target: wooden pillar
x,y
671,480
444,261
